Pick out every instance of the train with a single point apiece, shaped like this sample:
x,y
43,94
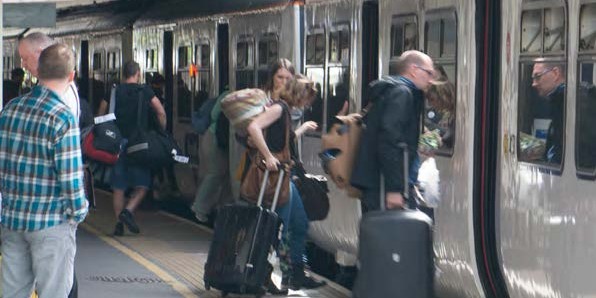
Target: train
x,y
507,225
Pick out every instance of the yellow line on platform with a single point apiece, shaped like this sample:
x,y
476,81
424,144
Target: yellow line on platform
x,y
179,287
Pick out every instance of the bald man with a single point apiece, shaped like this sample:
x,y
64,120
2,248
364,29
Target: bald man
x,y
30,47
395,117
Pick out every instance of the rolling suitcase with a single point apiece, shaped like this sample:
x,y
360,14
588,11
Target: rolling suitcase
x,y
243,238
395,252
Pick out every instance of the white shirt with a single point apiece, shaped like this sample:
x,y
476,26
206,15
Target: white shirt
x,y
71,99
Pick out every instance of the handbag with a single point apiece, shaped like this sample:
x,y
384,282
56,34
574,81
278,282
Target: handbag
x,y
102,141
313,191
151,148
251,184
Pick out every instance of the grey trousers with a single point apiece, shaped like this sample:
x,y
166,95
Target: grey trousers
x,y
43,260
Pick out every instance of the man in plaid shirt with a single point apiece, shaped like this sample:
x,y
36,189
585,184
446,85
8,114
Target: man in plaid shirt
x,y
41,180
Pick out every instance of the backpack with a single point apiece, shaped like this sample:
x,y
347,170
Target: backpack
x,y
201,119
241,106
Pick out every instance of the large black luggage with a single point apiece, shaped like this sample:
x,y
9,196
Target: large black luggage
x,y
395,253
243,238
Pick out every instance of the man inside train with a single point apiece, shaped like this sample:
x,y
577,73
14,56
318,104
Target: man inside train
x,y
548,79
41,177
395,117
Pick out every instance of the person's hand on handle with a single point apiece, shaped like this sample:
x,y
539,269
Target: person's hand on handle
x,y
272,163
395,200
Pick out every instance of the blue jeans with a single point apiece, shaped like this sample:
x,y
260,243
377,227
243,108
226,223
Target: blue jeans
x,y
295,227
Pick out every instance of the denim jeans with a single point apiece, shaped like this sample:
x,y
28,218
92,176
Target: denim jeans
x,y
295,227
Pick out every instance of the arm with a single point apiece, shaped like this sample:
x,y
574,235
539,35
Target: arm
x,y
255,131
69,169
103,108
160,112
306,126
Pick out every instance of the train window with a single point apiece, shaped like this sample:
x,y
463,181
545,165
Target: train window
x,y
267,55
585,127
587,28
245,76
441,43
314,112
151,59
184,95
273,55
554,29
339,46
97,61
531,31
184,56
204,56
315,48
541,112
404,34
113,61
433,38
338,93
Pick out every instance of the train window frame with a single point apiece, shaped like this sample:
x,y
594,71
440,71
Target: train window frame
x,y
203,79
189,56
586,173
100,55
445,60
526,63
151,60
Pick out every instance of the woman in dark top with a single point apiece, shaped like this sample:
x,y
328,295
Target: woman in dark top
x,y
275,120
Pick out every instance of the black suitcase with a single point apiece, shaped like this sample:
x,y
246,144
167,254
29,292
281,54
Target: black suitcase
x,y
243,238
395,253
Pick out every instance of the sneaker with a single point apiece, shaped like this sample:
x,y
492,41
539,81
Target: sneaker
x,y
202,218
127,218
119,229
274,290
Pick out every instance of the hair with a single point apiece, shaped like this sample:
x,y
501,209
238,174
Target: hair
x,y
281,63
56,62
441,92
131,68
298,91
38,39
408,58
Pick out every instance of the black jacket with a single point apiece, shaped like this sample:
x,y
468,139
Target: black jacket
x,y
394,118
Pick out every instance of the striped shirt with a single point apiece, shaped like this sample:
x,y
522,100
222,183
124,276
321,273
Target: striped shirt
x,y
41,171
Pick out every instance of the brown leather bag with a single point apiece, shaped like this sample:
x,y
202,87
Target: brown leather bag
x,y
251,184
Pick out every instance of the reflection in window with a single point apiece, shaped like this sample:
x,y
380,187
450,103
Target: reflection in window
x,y
587,27
337,93
439,113
433,38
541,109
531,31
97,61
315,48
585,157
315,111
113,61
267,56
184,56
243,59
184,98
204,61
339,46
554,29
151,59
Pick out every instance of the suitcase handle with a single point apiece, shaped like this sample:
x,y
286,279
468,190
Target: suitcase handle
x,y
406,195
280,179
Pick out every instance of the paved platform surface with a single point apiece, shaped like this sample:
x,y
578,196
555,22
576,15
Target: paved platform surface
x,y
165,260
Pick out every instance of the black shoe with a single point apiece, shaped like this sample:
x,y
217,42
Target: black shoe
x,y
300,280
274,290
119,229
127,218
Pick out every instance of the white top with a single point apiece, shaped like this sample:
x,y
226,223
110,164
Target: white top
x,y
71,99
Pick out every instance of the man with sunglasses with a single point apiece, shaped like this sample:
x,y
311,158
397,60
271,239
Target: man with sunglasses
x,y
394,118
548,79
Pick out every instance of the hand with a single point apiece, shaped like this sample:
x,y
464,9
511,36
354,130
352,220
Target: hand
x,y
272,163
395,200
250,143
309,126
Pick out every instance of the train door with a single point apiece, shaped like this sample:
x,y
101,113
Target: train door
x,y
98,79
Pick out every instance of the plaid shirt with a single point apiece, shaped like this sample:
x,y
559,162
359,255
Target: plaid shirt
x,y
41,171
